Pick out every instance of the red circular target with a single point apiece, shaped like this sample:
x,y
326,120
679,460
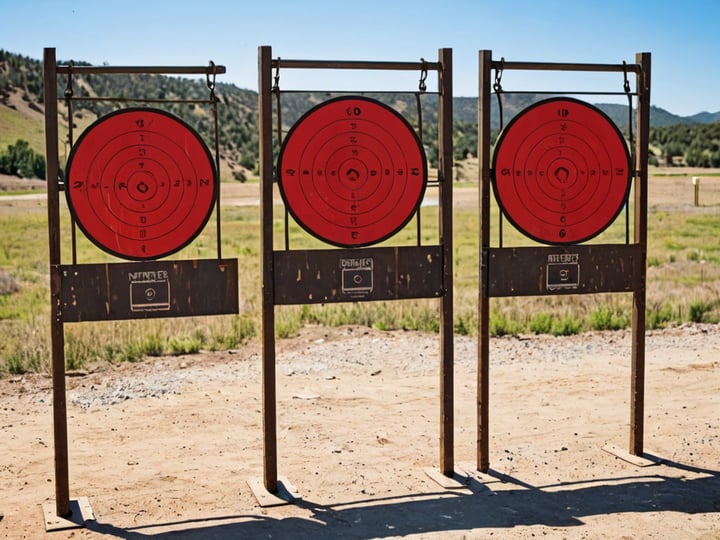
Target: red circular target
x,y
352,171
140,183
561,171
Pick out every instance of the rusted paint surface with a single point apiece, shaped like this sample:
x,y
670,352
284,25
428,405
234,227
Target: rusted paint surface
x,y
578,269
342,275
142,290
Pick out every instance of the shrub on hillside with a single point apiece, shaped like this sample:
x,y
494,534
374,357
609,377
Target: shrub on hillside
x,y
20,160
8,285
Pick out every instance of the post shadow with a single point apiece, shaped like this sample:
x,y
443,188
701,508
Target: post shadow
x,y
559,505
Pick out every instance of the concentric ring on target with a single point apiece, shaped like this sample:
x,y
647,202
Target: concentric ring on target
x,y
352,171
561,171
140,183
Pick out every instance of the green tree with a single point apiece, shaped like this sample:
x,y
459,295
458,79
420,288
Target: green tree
x,y
20,160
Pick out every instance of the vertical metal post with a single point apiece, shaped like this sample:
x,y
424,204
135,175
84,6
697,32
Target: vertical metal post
x,y
445,153
483,371
637,396
268,273
57,337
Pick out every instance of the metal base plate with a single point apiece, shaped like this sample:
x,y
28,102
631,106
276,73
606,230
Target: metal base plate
x,y
456,481
618,452
286,493
80,513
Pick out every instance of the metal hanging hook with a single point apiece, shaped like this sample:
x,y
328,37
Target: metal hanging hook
x,y
423,76
276,80
497,87
276,90
211,82
68,87
626,85
213,71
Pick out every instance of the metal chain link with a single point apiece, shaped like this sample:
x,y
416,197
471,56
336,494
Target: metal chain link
x,y
497,88
211,83
633,158
423,77
276,90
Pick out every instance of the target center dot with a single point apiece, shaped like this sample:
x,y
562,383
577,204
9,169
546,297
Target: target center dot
x,y
562,174
141,186
352,174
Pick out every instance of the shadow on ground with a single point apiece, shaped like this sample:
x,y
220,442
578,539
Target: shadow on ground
x,y
517,504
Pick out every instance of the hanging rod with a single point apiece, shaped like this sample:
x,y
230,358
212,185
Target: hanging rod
x,y
567,92
357,92
350,64
164,70
504,65
138,100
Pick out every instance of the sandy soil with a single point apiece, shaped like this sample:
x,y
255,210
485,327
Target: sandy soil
x,y
166,447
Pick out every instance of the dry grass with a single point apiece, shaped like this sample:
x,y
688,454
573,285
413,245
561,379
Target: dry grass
x,y
683,282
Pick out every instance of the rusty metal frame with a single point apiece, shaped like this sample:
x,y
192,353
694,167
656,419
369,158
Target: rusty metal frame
x,y
619,268
274,261
67,280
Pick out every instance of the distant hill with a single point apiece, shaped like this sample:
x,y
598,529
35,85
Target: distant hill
x,y
465,109
21,106
658,117
705,117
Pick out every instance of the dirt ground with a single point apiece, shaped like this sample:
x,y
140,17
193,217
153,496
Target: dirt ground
x,y
166,448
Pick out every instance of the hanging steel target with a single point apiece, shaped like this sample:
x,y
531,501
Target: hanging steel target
x,y
141,183
352,171
561,171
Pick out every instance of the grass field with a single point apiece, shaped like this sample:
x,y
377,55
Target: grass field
x,y
683,283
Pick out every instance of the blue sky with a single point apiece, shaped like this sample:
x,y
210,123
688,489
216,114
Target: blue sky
x,y
681,36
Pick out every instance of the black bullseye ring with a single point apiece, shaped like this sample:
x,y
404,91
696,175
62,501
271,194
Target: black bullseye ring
x,y
352,171
141,183
561,171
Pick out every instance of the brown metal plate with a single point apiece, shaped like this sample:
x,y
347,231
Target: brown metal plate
x,y
346,275
142,290
534,271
